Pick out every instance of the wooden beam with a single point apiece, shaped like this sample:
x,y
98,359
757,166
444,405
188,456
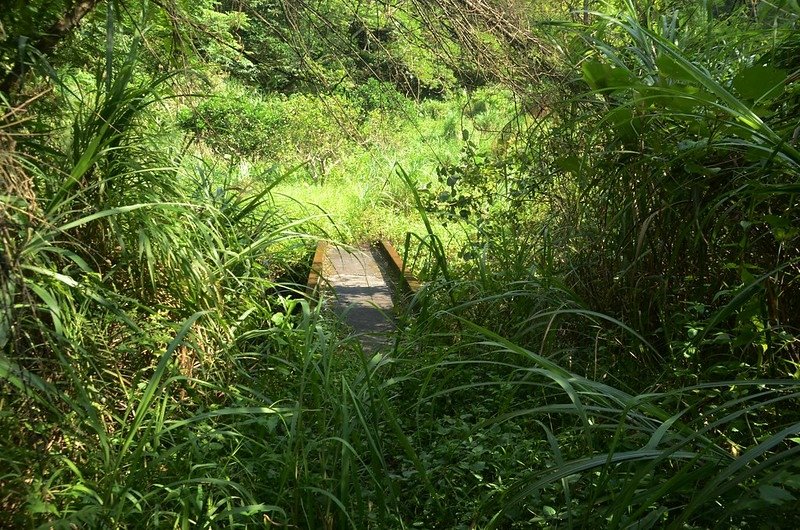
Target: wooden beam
x,y
409,282
314,276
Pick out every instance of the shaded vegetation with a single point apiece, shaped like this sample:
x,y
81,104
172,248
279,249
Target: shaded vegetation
x,y
602,199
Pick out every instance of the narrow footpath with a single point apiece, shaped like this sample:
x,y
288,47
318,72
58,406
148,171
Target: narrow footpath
x,y
361,294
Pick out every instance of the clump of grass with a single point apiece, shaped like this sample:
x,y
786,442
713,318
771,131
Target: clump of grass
x,y
137,302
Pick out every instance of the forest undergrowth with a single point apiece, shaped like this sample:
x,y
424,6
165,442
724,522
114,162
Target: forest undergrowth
x,y
603,206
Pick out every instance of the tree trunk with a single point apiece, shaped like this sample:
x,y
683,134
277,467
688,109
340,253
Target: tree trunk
x,y
48,41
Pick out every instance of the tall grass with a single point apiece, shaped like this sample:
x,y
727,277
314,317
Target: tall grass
x,y
136,307
631,332
602,354
668,186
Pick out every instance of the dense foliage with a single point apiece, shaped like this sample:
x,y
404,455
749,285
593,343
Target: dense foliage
x,y
602,199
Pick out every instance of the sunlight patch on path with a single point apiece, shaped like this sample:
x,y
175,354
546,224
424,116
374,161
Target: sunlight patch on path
x,y
361,295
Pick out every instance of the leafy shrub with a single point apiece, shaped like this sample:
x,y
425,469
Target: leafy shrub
x,y
239,123
378,95
299,129
490,107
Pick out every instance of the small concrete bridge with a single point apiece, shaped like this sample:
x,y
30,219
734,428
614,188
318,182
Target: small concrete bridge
x,y
362,285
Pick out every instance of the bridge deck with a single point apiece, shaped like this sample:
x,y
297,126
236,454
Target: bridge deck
x,y
361,290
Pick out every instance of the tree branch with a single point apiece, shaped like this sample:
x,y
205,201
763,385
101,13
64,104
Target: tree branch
x,y
48,41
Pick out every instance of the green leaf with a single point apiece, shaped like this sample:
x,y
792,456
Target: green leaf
x,y
37,506
760,83
682,98
672,69
570,164
781,227
624,123
63,278
774,494
601,76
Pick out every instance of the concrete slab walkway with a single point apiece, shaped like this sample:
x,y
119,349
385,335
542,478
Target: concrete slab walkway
x,y
361,294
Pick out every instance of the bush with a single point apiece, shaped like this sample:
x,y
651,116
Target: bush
x,y
237,123
289,130
378,95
